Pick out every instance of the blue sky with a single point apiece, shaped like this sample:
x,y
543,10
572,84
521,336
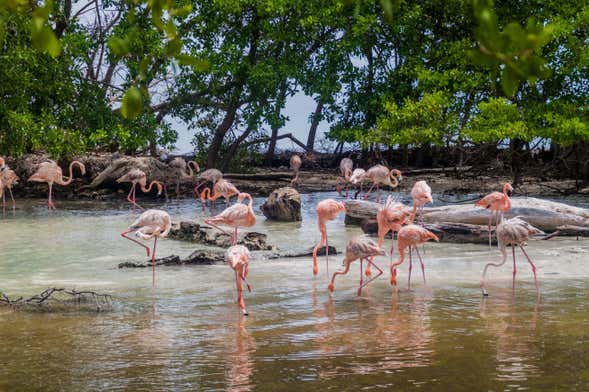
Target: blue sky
x,y
298,109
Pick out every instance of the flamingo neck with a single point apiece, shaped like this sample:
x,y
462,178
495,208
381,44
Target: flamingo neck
x,y
393,182
148,189
71,177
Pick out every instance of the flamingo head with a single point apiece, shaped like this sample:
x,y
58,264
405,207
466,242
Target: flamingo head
x,y
242,196
507,188
397,173
2,164
432,236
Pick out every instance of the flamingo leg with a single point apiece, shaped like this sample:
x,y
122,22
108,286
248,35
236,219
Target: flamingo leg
x,y
378,195
234,237
421,262
380,272
326,254
244,271
489,227
321,242
239,284
533,268
178,189
124,235
361,277
12,198
514,267
153,262
410,268
50,204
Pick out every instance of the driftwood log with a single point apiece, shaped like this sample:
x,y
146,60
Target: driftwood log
x,y
545,215
447,232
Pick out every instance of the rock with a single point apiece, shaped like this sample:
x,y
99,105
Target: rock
x,y
202,257
193,232
169,260
283,204
306,253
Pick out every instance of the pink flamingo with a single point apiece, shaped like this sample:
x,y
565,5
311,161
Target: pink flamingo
x,y
150,224
222,188
421,194
390,217
345,166
237,215
136,176
9,179
182,170
514,232
497,203
380,174
362,248
209,175
50,173
327,210
409,237
295,166
237,258
356,178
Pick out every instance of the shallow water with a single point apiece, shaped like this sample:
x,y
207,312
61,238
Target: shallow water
x,y
187,333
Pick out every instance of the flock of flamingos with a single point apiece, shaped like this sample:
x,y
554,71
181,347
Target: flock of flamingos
x,y
392,216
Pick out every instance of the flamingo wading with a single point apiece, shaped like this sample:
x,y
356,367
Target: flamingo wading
x,y
514,232
380,174
136,176
150,224
359,248
409,237
235,216
51,173
237,258
327,210
497,203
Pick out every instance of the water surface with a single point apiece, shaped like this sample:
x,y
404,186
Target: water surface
x,y
187,333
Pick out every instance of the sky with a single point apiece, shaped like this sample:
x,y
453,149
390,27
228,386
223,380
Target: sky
x,y
298,109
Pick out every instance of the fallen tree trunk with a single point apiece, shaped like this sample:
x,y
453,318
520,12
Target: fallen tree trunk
x,y
573,231
545,215
259,176
447,232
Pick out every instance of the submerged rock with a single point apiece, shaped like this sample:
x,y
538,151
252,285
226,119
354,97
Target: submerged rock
x,y
283,204
194,232
305,253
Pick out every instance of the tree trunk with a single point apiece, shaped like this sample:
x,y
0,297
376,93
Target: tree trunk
x,y
314,124
233,149
219,135
272,146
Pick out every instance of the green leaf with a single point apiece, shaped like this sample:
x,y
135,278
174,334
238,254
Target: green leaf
x,y
509,81
119,46
174,47
199,65
45,40
132,103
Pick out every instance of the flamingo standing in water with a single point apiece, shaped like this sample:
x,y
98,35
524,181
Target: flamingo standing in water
x,y
497,203
8,179
136,176
514,232
295,166
380,174
390,217
327,209
409,237
421,194
362,248
356,178
222,188
237,215
237,258
51,173
182,171
209,175
345,166
150,224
